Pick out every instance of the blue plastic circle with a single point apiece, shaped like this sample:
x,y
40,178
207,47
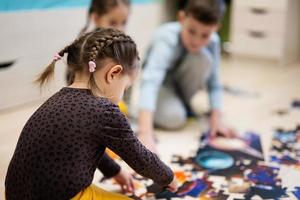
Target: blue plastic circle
x,y
214,160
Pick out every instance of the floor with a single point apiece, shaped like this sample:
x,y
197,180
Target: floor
x,y
259,89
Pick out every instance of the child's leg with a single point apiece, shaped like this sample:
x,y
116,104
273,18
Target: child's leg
x,y
192,74
95,193
170,112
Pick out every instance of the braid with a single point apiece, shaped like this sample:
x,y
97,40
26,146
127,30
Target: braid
x,y
74,58
68,48
64,50
109,44
47,74
73,62
107,41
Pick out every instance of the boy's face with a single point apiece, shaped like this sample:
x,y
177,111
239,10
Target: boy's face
x,y
195,34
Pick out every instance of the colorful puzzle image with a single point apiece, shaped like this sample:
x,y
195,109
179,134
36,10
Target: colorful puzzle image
x,y
221,168
229,157
191,187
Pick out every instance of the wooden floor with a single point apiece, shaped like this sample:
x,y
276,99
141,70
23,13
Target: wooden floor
x,y
261,87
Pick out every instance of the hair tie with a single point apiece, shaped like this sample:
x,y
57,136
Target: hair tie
x,y
57,57
92,66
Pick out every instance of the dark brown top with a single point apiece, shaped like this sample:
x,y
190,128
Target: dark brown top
x,y
63,143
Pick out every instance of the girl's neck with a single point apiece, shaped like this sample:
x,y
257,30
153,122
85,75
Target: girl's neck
x,y
84,84
80,81
79,84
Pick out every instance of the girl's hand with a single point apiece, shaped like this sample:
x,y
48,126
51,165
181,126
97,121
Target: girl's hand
x,y
125,180
173,186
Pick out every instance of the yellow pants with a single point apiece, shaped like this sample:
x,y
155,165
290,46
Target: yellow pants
x,y
95,193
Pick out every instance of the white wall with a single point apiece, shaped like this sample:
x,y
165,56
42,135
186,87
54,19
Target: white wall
x,y
32,38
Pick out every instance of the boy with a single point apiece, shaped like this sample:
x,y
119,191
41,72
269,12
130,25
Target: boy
x,y
184,58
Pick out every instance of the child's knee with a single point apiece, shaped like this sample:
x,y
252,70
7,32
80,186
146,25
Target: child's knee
x,y
171,119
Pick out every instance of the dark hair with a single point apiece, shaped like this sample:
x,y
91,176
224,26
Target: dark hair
x,y
97,46
101,7
206,11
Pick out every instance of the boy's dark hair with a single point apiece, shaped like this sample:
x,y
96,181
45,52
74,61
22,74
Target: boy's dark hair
x,y
101,7
97,46
206,11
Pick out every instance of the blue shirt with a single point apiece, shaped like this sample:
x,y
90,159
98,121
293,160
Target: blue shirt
x,y
165,51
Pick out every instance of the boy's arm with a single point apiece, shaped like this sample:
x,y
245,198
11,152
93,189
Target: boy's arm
x,y
159,59
216,94
146,132
214,87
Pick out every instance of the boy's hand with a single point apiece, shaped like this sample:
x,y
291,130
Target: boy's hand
x,y
147,139
217,128
221,130
173,186
125,180
145,131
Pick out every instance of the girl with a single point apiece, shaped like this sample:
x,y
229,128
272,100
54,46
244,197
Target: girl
x,y
107,14
63,142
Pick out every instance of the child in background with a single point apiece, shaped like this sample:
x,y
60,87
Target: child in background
x,y
64,141
105,14
108,13
184,58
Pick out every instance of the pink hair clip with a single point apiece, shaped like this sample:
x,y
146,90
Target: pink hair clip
x,y
92,66
57,57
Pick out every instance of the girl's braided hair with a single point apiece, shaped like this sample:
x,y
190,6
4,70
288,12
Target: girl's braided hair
x,y
96,46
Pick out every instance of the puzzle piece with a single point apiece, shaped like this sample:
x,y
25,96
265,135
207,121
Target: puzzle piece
x,y
286,147
295,104
193,188
238,185
263,175
297,192
266,192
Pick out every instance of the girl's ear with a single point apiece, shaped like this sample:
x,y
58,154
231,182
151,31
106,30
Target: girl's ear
x,y
113,73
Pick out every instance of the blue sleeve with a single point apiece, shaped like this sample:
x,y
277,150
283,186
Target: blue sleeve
x,y
157,63
214,86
